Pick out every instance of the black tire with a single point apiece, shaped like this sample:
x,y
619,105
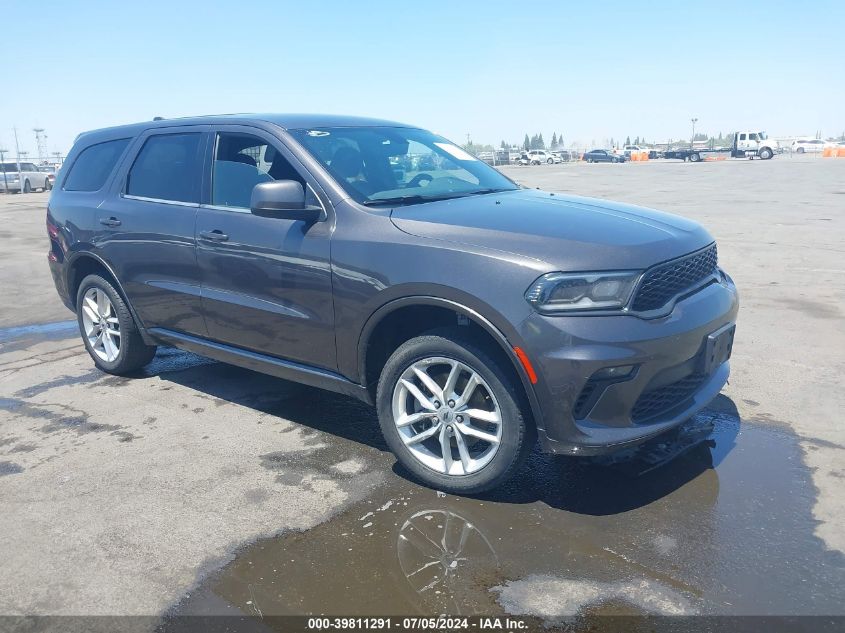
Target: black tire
x,y
800,150
695,158
550,161
766,153
47,185
134,353
27,188
518,435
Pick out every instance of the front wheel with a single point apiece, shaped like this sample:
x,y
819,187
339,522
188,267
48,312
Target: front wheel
x,y
451,415
47,185
695,158
27,188
550,161
108,329
766,153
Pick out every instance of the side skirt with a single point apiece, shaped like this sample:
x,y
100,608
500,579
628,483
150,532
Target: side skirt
x,y
288,370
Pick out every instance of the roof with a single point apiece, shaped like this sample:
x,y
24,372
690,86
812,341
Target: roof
x,y
285,121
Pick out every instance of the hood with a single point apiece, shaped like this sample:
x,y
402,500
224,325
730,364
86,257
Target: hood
x,y
567,233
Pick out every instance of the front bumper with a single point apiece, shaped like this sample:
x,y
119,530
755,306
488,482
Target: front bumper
x,y
667,356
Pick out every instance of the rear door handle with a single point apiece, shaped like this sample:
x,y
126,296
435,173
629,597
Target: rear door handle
x,y
112,221
214,236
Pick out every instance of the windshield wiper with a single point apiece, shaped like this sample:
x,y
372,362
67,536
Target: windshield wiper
x,y
481,192
415,199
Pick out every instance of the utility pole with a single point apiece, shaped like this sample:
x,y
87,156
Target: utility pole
x,y
3,151
692,140
18,159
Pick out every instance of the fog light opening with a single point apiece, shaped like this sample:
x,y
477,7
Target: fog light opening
x,y
614,373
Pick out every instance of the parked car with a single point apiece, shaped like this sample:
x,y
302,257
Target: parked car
x,y
51,175
563,155
808,146
629,149
521,159
539,156
603,156
460,305
27,180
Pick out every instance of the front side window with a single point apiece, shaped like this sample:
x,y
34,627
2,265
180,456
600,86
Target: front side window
x,y
167,168
93,166
393,165
242,161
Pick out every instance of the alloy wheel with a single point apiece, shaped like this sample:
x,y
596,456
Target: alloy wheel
x,y
447,416
102,327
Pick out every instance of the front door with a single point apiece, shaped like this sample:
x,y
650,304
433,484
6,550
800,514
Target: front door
x,y
266,282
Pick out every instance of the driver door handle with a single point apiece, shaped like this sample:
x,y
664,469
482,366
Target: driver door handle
x,y
112,221
214,236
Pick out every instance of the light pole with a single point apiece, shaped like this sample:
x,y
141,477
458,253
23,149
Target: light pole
x,y
18,159
692,140
3,151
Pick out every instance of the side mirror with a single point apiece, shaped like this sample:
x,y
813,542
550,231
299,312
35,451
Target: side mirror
x,y
283,199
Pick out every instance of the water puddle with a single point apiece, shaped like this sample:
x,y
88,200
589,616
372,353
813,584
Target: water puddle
x,y
44,331
716,520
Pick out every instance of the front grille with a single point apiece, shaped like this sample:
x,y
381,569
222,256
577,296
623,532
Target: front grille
x,y
657,401
663,282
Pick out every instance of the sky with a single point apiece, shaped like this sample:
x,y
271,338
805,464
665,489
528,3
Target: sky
x,y
589,71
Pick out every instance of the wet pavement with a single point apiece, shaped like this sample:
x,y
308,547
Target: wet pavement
x,y
197,487
716,520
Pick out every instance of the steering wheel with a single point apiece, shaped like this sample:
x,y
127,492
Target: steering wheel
x,y
416,180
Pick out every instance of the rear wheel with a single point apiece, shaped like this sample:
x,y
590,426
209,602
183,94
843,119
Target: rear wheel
x,y
800,150
47,184
451,414
108,329
695,158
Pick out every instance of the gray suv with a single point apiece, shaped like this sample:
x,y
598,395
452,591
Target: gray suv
x,y
381,261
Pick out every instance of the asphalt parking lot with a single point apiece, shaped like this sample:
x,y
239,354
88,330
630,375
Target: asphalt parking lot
x,y
202,488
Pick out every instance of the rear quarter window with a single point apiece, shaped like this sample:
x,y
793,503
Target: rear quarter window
x,y
92,167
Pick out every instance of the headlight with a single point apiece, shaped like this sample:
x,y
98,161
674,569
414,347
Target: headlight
x,y
561,292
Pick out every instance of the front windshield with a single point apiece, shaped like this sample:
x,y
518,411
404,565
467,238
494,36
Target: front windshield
x,y
394,165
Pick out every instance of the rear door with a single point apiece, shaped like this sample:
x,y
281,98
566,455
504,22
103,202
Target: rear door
x,y
146,227
266,282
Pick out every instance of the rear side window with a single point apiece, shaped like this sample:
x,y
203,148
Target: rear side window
x,y
167,168
93,166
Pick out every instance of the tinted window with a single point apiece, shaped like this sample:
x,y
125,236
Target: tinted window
x,y
93,166
167,168
242,161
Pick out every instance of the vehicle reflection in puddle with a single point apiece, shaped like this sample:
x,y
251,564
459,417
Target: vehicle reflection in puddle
x,y
724,527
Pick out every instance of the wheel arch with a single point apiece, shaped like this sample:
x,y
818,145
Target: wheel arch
x,y
403,318
84,263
